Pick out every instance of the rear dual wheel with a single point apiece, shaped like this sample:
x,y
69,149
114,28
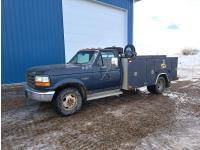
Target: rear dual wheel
x,y
159,87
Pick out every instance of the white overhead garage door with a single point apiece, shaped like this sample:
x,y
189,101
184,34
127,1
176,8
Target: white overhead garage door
x,y
90,24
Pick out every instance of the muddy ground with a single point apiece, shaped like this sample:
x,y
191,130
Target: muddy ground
x,y
132,121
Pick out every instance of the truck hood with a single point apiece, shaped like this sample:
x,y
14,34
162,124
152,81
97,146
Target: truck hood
x,y
60,69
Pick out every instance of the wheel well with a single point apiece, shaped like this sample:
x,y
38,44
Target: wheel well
x,y
166,79
77,86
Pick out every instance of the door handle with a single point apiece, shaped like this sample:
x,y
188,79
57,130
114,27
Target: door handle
x,y
103,67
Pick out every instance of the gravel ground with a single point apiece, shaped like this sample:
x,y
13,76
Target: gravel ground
x,y
137,120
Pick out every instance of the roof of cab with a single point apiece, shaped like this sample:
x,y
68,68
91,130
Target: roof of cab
x,y
119,49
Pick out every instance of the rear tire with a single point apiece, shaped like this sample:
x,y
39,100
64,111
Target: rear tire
x,y
159,87
151,89
68,101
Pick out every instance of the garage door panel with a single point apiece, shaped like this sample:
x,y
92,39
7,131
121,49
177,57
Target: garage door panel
x,y
91,24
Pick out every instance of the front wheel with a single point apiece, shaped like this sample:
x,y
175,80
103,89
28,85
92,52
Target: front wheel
x,y
68,101
159,87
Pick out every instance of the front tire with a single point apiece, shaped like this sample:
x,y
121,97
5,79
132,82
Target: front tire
x,y
68,101
159,87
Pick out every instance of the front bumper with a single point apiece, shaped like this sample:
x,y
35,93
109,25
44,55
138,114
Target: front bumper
x,y
38,95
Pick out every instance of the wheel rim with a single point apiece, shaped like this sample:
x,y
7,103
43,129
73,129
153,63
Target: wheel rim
x,y
69,101
160,85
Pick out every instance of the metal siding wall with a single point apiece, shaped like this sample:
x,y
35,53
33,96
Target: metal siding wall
x,y
126,4
32,34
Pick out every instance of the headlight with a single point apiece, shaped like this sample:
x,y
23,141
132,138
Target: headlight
x,y
42,80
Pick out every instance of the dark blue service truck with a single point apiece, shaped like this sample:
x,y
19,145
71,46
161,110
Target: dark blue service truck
x,y
98,73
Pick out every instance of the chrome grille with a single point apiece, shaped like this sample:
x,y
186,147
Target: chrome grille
x,y
30,79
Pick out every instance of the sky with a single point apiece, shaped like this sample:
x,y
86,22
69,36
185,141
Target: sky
x,y
166,26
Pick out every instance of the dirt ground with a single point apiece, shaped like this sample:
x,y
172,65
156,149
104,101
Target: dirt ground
x,y
137,120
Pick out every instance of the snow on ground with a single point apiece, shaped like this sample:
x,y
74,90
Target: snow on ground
x,y
189,139
189,67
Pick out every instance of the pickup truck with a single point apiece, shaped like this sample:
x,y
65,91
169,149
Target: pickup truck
x,y
98,73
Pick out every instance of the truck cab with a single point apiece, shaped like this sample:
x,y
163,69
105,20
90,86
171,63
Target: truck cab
x,y
102,67
97,73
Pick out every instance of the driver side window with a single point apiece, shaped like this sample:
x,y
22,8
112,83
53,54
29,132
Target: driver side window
x,y
105,59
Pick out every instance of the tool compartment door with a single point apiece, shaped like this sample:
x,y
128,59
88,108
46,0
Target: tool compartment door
x,y
137,72
150,71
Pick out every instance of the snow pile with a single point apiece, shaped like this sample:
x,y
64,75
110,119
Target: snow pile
x,y
189,67
180,98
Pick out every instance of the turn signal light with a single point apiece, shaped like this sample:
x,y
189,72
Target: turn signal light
x,y
42,83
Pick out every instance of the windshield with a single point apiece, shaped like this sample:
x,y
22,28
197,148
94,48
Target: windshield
x,y
84,57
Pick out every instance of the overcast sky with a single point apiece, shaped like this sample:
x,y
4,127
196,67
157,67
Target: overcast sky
x,y
166,26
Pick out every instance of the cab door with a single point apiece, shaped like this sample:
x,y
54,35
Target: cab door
x,y
107,73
